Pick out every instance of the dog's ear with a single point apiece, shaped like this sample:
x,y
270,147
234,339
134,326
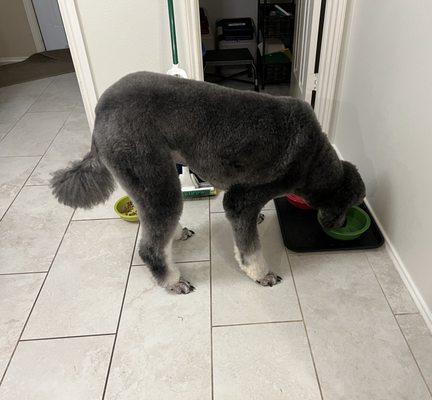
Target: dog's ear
x,y
353,186
350,193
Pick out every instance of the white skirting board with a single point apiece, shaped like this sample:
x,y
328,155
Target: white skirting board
x,y
400,267
10,60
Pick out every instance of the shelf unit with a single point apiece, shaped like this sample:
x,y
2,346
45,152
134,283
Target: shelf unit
x,y
275,21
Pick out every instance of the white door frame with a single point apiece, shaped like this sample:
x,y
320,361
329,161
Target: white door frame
x,y
34,25
329,59
193,37
80,58
332,35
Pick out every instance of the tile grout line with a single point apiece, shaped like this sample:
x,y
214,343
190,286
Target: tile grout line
x,y
211,303
397,323
407,313
26,111
175,262
67,337
33,170
23,273
304,327
34,156
120,315
414,358
94,219
258,323
223,212
36,299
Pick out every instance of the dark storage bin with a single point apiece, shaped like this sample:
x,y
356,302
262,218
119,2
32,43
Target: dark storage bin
x,y
235,29
277,72
278,26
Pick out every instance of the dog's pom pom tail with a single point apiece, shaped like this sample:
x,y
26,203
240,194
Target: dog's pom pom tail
x,y
84,183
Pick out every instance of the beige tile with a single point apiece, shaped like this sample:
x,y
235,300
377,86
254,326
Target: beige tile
x,y
33,134
31,231
163,345
13,173
101,211
358,348
195,217
72,142
62,94
419,339
87,281
17,294
238,299
268,361
15,100
397,294
216,204
61,369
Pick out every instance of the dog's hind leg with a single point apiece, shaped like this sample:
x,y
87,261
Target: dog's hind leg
x,y
152,182
242,210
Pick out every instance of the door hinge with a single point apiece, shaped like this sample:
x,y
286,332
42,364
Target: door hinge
x,y
315,81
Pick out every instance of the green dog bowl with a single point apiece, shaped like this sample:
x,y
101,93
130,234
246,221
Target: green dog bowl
x,y
357,223
119,208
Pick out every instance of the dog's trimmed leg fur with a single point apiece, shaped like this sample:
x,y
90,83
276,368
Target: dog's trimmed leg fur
x,y
158,200
242,210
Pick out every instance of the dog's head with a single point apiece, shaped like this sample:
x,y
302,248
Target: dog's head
x,y
350,193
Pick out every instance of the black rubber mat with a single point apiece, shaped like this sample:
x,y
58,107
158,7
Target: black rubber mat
x,y
302,233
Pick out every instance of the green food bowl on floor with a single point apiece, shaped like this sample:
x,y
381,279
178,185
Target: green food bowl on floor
x,y
357,223
126,210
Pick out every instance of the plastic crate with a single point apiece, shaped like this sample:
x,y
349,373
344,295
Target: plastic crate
x,y
278,26
277,72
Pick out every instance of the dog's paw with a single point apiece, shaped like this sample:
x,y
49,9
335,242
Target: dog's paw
x,y
261,218
181,287
270,279
186,234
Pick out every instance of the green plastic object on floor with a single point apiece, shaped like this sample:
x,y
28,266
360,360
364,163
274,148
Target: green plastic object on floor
x,y
119,208
357,223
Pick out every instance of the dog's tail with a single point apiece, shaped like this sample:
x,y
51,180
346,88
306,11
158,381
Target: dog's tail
x,y
84,183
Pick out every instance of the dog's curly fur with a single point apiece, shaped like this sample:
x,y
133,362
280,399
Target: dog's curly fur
x,y
254,146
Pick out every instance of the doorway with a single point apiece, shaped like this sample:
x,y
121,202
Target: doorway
x,y
50,23
35,42
248,44
317,40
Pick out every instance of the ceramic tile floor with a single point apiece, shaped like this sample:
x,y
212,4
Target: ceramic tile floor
x,y
81,317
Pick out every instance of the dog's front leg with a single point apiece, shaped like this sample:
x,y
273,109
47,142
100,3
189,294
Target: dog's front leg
x,y
256,268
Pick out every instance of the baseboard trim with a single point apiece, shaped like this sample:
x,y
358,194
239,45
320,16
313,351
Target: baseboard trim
x,y
415,293
10,60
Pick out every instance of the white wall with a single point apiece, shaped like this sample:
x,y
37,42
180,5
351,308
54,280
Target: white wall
x,y
16,39
123,37
384,123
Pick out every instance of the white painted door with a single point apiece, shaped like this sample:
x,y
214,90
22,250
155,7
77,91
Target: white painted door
x,y
51,24
305,47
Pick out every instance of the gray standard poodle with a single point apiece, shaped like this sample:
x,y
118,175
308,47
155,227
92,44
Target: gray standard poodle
x,y
254,146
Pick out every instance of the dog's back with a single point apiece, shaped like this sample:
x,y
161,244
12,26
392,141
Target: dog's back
x,y
227,136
